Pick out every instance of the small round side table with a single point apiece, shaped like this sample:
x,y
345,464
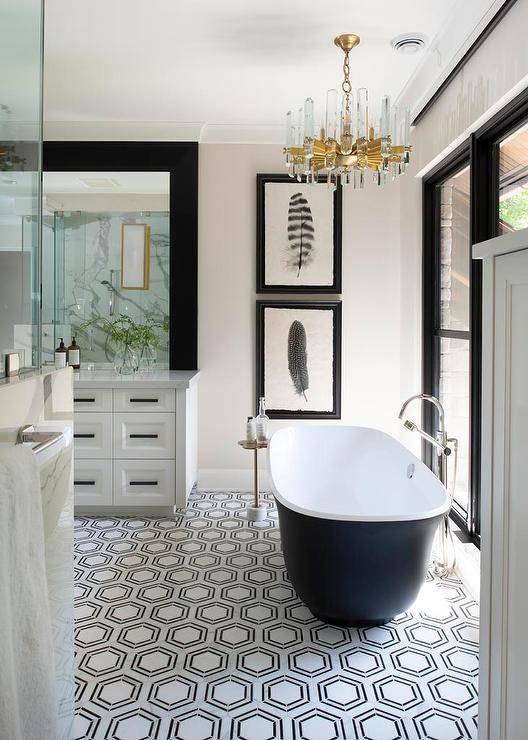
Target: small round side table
x,y
256,512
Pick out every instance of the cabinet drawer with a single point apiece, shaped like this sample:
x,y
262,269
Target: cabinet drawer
x,y
145,399
92,482
144,482
92,435
142,435
92,399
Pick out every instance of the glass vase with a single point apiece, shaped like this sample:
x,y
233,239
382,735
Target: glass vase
x,y
148,357
126,361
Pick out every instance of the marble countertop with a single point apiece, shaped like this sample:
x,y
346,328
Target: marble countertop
x,y
29,374
156,379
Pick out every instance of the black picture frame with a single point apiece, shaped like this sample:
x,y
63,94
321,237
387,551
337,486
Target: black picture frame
x,y
335,307
262,285
180,160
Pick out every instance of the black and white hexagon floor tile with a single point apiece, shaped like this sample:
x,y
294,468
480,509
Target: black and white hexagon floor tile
x,y
187,628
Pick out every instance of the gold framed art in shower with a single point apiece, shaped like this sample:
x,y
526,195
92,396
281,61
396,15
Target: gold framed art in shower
x,y
135,256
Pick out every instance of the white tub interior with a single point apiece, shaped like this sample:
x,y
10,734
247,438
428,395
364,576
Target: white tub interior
x,y
352,474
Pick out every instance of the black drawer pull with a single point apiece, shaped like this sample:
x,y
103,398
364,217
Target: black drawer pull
x,y
143,436
78,435
144,400
84,400
84,483
143,483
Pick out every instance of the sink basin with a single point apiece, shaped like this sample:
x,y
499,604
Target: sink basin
x,y
55,466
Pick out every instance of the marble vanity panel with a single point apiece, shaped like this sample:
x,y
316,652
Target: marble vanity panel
x,y
45,399
36,397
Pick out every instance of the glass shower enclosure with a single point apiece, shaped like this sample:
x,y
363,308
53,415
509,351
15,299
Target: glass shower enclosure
x,y
20,176
89,296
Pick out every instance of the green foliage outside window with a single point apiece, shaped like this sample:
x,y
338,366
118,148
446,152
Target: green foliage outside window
x,y
514,211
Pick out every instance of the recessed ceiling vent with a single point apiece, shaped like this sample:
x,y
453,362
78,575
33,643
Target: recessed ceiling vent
x,y
100,183
408,43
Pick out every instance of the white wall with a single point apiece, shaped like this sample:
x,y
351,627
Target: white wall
x,y
371,301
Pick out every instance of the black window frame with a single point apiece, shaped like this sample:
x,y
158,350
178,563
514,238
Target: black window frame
x,y
482,152
431,320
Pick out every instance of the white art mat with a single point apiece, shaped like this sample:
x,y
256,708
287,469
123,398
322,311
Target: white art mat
x,y
278,255
279,388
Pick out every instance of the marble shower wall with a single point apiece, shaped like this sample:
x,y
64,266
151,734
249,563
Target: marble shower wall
x,y
88,253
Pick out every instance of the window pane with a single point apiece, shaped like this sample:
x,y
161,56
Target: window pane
x,y
454,252
454,394
513,184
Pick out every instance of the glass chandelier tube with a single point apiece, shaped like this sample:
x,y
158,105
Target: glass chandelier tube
x,y
362,113
331,115
308,115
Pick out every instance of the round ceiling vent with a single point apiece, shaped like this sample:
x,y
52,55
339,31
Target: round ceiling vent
x,y
408,43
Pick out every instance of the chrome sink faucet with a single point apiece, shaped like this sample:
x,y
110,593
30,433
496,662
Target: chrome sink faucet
x,y
439,441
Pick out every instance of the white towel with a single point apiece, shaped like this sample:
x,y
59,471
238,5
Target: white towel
x,y
27,682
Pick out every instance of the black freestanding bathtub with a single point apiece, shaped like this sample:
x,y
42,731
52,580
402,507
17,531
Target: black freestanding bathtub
x,y
358,514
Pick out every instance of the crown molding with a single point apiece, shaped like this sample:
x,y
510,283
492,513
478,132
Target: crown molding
x,y
204,133
122,131
233,133
446,52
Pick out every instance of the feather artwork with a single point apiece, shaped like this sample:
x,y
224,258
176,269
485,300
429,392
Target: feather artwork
x,y
297,358
301,233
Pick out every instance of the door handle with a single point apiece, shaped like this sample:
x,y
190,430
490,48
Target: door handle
x,y
143,436
80,435
143,483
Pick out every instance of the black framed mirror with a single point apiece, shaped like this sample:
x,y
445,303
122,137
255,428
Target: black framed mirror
x,y
179,161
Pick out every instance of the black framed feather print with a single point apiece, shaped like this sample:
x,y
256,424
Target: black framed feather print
x,y
298,236
299,358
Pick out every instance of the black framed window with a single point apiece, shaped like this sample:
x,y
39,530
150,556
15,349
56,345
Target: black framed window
x,y
447,313
479,192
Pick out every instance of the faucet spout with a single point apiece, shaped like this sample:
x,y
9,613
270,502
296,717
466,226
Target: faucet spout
x,y
432,399
439,441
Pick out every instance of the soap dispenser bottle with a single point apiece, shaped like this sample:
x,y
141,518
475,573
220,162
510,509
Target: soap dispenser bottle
x,y
61,355
250,430
262,422
74,355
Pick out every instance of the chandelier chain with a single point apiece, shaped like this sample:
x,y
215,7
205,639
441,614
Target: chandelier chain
x,y
346,85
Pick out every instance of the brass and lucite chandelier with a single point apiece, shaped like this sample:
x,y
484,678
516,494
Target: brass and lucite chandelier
x,y
349,141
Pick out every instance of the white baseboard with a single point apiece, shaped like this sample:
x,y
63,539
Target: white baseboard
x,y
235,479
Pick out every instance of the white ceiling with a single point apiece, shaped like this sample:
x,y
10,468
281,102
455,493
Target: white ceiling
x,y
223,62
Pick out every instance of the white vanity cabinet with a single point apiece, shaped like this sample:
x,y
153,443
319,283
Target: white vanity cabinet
x,y
135,440
503,678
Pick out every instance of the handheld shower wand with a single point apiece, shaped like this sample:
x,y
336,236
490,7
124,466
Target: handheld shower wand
x,y
111,292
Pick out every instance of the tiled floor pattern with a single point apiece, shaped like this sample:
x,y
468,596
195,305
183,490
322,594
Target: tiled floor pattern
x,y
188,628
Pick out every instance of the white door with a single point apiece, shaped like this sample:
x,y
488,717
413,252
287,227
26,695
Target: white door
x,y
504,588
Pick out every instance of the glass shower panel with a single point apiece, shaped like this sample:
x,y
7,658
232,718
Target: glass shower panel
x,y
88,292
20,164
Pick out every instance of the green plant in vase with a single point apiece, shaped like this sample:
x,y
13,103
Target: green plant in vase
x,y
148,343
130,340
